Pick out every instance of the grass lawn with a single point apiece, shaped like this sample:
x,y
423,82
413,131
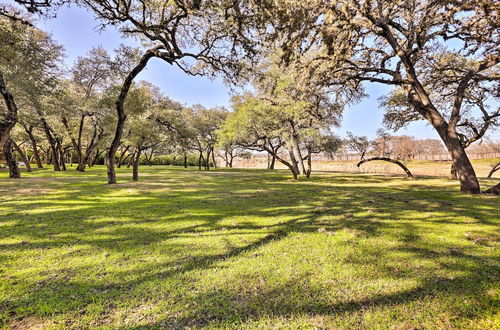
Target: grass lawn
x,y
246,248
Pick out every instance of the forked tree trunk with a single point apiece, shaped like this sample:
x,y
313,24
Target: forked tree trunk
x,y
50,139
397,162
23,155
120,111
272,163
60,154
11,160
77,143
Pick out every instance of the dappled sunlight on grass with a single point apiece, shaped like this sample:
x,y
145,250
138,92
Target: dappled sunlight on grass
x,y
246,248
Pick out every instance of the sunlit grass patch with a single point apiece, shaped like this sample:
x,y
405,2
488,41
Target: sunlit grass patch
x,y
246,248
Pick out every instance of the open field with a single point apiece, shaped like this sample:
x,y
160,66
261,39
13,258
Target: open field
x,y
246,248
417,167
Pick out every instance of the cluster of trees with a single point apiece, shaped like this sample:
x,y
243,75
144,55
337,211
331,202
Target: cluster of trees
x,y
401,147
307,61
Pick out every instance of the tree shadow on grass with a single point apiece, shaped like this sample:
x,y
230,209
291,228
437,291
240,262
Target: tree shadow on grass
x,y
189,212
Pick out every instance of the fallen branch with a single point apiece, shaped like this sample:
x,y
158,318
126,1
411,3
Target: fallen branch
x,y
385,159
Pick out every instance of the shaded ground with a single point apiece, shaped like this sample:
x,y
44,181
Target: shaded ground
x,y
245,248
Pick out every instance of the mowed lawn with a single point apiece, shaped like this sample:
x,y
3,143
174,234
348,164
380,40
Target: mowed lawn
x,y
246,249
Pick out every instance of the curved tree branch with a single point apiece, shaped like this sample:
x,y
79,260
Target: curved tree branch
x,y
397,162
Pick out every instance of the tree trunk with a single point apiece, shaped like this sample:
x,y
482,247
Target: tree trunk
x,y
11,160
120,110
295,168
466,174
10,118
36,154
122,154
309,164
135,167
185,161
120,164
397,162
272,163
77,144
98,154
200,158
213,157
131,160
298,154
422,103
453,172
50,139
231,157
23,156
207,160
60,154
150,157
48,156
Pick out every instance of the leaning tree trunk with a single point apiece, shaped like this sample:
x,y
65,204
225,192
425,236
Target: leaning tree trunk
x,y
120,110
23,156
295,167
11,160
9,118
397,162
447,132
466,174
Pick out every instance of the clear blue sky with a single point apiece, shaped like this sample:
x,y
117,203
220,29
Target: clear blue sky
x,y
77,30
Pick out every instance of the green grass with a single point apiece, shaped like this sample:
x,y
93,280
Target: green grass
x,y
246,248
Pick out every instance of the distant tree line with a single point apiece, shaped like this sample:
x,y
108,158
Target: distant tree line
x,y
306,61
